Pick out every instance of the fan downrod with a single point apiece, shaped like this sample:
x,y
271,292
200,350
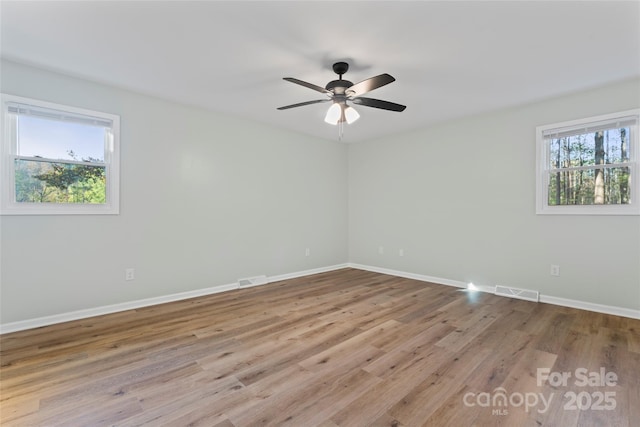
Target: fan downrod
x,y
338,87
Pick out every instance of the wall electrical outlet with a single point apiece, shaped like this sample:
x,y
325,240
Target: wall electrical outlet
x,y
129,274
555,270
307,252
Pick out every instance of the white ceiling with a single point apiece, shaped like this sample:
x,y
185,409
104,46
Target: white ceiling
x,y
450,59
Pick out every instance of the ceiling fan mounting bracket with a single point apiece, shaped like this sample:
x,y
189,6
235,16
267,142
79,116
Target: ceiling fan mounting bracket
x,y
340,68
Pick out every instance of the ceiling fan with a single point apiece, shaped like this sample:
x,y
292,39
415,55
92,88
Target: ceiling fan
x,y
341,92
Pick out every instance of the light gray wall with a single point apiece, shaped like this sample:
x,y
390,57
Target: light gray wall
x,y
205,199
459,198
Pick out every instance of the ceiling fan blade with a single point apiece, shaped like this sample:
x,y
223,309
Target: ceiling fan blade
x,y
378,103
369,85
317,101
305,84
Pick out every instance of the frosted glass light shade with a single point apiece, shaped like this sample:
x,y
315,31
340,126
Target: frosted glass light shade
x,y
351,114
333,114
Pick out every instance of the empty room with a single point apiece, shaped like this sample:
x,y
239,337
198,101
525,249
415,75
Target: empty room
x,y
320,213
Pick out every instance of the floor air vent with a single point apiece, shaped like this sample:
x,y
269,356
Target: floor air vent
x,y
526,294
252,281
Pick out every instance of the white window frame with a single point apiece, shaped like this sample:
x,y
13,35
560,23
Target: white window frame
x,y
543,162
8,155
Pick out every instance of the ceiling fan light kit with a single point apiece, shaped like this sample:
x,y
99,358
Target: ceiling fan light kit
x,y
341,112
343,91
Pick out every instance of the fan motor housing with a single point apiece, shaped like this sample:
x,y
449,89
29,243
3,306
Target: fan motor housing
x,y
338,86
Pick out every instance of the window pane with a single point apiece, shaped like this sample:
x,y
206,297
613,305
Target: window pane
x,y
51,139
587,149
47,182
608,186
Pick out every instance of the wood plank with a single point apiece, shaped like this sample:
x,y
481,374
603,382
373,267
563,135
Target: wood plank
x,y
426,397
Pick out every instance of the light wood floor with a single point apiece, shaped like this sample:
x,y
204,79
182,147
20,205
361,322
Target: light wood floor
x,y
344,348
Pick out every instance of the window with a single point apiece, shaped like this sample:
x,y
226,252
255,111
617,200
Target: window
x,y
589,166
58,159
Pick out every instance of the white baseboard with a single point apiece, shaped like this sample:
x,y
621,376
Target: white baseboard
x,y
590,306
421,277
549,299
307,272
132,305
108,309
